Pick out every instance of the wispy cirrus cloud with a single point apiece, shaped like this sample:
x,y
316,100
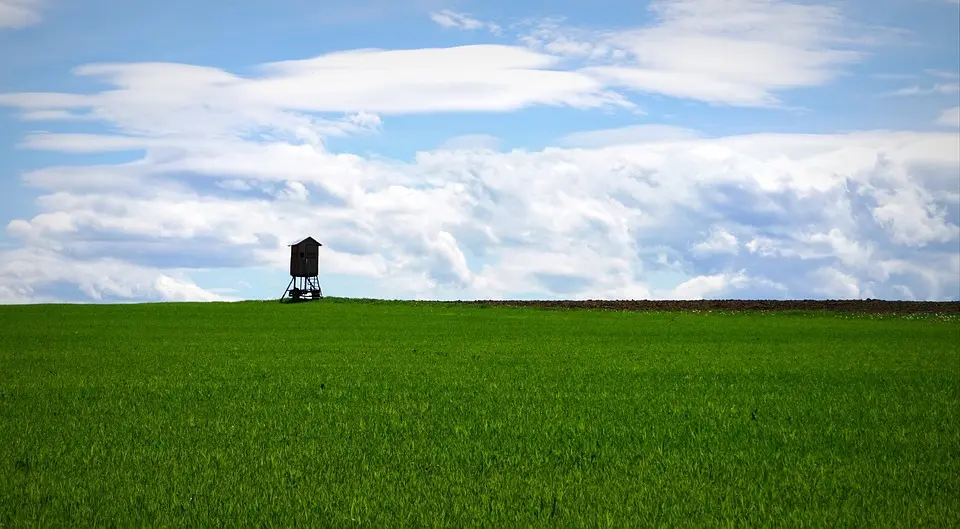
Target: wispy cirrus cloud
x,y
169,99
452,19
938,88
686,53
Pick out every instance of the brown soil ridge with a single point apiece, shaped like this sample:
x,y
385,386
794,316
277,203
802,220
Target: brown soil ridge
x,y
858,305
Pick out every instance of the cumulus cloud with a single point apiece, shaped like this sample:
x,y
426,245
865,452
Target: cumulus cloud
x,y
835,284
720,241
743,216
26,273
20,13
708,286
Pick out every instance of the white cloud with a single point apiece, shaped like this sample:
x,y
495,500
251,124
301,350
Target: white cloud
x,y
20,13
940,88
608,222
179,100
24,271
172,289
708,286
720,241
834,243
732,52
53,115
452,19
835,284
950,117
552,36
738,52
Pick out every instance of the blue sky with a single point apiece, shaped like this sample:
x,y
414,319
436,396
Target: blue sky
x,y
459,150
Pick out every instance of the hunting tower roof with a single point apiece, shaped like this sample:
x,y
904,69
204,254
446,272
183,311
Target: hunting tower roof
x,y
308,239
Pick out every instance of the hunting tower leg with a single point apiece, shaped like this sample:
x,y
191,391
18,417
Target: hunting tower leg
x,y
287,290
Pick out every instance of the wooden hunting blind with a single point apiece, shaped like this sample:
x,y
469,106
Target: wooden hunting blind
x,y
304,270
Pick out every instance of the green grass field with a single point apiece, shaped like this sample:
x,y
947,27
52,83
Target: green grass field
x,y
382,414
